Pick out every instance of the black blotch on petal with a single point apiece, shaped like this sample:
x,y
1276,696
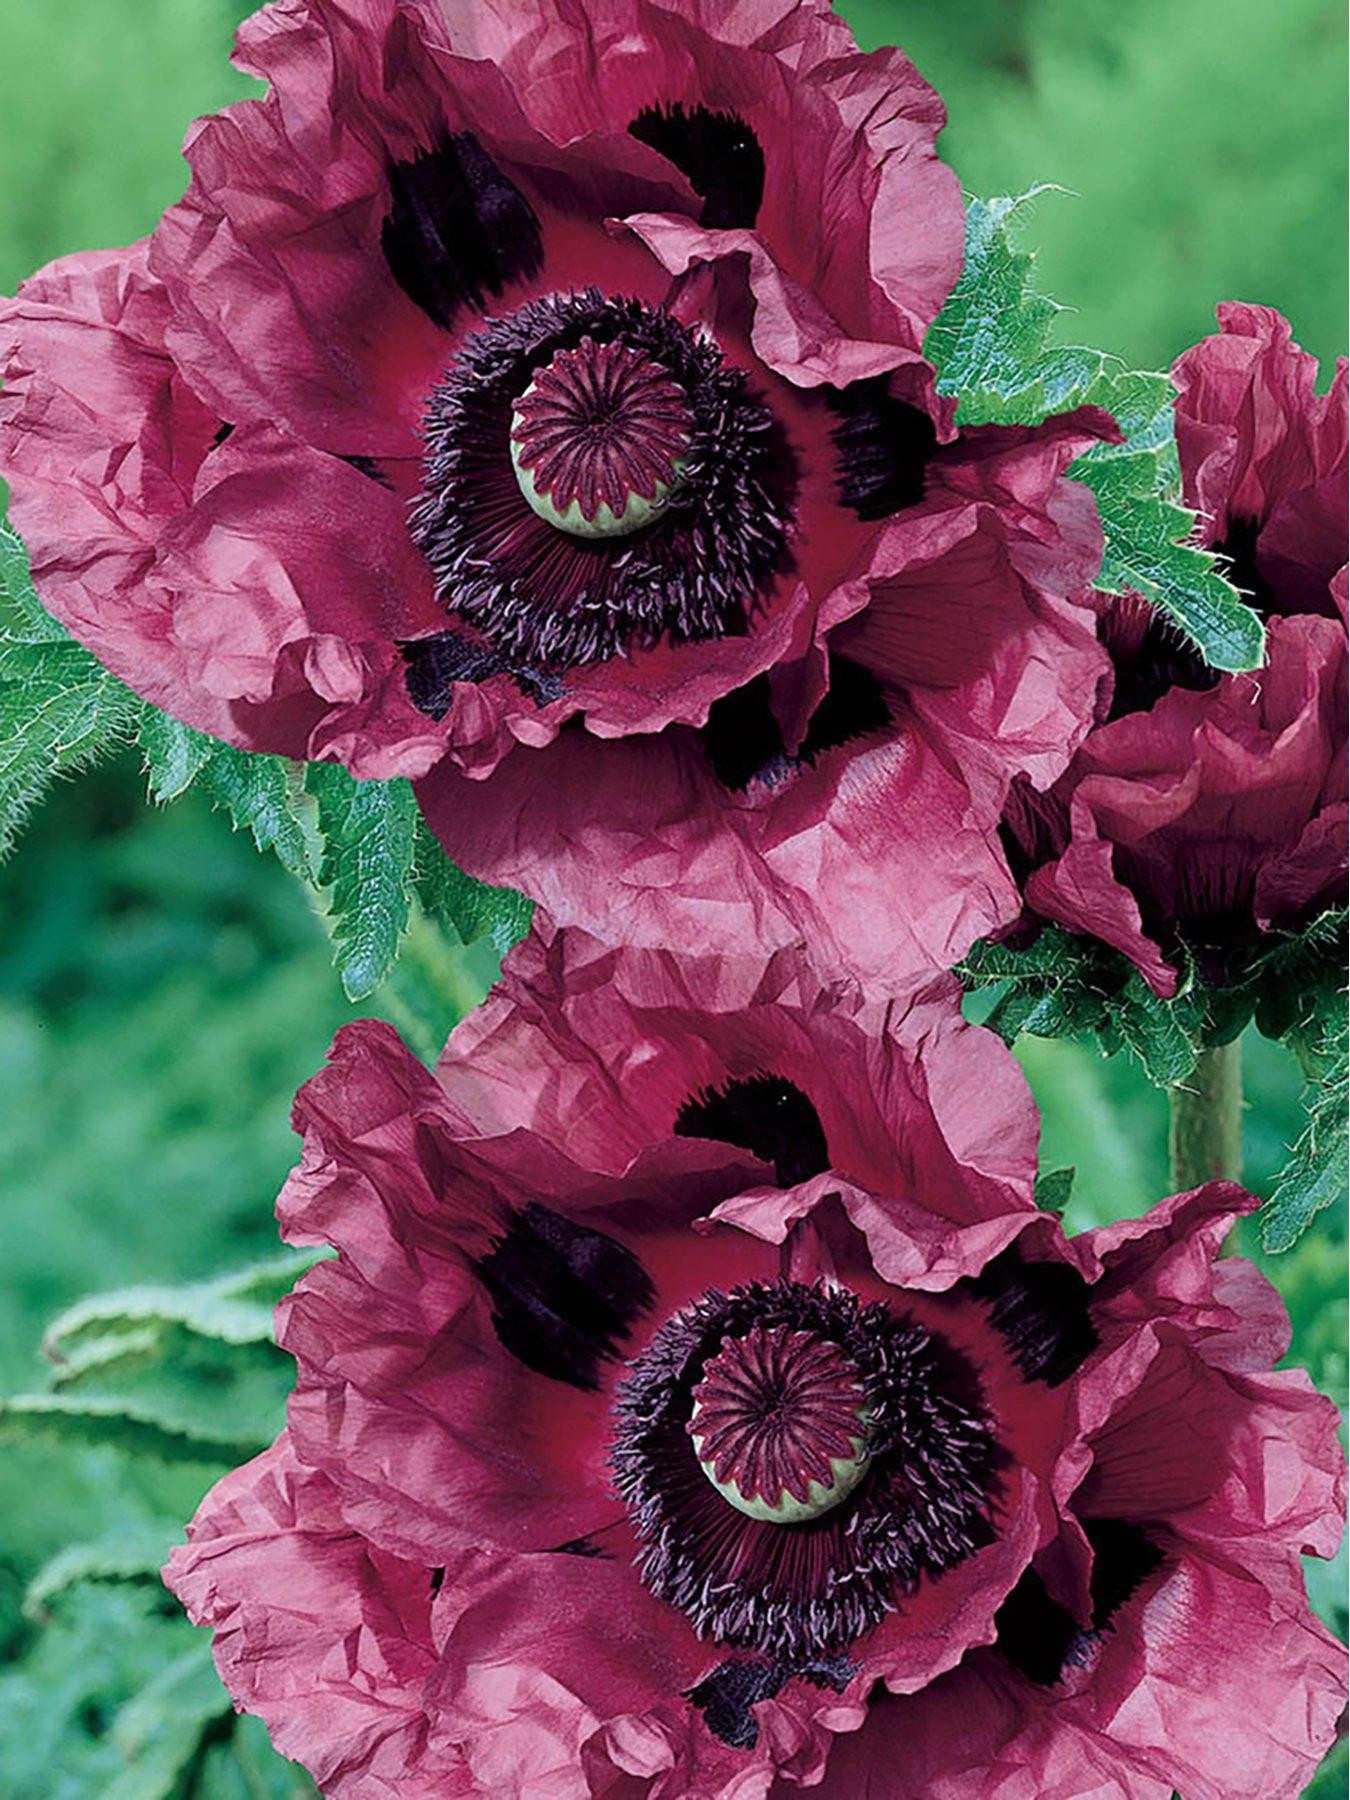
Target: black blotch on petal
x,y
854,705
564,1297
768,1117
367,466
457,229
717,152
582,1546
434,664
884,448
742,739
1239,550
1040,1637
726,1696
1042,1312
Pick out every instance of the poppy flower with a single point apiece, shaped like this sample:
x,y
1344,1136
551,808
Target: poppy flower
x,y
537,391
1204,812
697,1395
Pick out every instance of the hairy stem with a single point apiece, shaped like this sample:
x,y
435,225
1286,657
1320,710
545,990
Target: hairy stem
x,y
1205,1139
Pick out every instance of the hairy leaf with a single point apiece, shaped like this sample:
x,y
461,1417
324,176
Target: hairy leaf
x,y
471,908
991,342
991,345
265,795
174,754
232,1309
1315,1176
367,830
60,710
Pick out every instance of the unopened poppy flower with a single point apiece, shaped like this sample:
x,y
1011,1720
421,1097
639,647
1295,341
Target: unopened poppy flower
x,y
697,1398
1204,812
509,369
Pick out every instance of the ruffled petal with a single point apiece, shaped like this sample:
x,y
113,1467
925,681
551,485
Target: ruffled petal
x,y
328,1640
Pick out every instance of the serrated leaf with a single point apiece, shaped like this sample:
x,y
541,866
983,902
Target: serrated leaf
x,y
174,753
136,1553
991,348
233,1309
1149,551
60,710
1315,1175
1154,1031
991,342
93,1422
266,796
109,1358
471,908
1054,1189
367,830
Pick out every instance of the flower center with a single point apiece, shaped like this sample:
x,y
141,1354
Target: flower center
x,y
600,439
780,1424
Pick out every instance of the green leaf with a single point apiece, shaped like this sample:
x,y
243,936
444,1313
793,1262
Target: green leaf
x,y
991,343
368,829
1153,1030
471,908
174,753
991,346
60,710
1149,551
160,1730
232,1309
1315,1176
93,1422
136,1553
265,795
1054,1189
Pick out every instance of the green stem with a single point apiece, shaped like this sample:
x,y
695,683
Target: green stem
x,y
1205,1139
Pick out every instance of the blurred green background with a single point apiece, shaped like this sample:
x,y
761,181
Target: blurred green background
x,y
163,989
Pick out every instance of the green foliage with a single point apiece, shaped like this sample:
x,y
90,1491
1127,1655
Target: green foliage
x,y
1054,1187
991,347
60,710
1202,141
1069,987
367,829
158,1721
362,843
1315,1175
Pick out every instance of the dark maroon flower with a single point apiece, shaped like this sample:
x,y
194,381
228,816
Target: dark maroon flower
x,y
697,1397
1205,812
539,389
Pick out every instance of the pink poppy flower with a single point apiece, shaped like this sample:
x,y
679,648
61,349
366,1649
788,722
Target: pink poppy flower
x,y
1203,812
515,367
697,1396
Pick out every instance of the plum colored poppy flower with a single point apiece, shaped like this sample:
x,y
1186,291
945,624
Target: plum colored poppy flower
x,y
516,367
697,1397
1204,812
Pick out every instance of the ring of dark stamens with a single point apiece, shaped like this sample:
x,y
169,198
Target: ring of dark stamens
x,y
809,1590
542,597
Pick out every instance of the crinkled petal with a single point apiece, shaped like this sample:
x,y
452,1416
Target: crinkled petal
x,y
327,1639
602,1047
